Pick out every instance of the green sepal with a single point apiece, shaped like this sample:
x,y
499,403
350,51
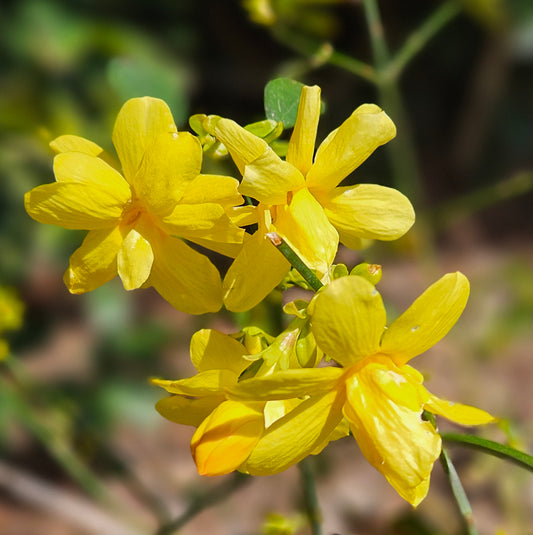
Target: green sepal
x,y
297,308
307,351
294,278
269,130
254,339
337,271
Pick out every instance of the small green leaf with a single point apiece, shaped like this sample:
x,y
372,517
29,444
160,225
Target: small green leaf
x,y
282,96
280,147
493,448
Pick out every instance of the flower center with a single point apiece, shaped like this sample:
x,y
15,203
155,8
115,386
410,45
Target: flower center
x,y
132,211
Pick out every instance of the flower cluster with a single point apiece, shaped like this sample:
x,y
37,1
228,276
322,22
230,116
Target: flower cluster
x,y
262,403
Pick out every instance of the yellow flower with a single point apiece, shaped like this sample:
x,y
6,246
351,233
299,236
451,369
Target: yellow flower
x,y
228,430
218,447
380,396
299,197
11,312
135,219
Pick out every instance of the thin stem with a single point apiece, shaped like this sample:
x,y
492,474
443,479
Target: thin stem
x,y
204,501
457,209
405,172
310,497
377,37
418,39
352,65
458,492
295,260
507,453
323,53
455,483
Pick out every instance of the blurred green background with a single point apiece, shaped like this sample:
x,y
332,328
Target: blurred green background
x,y
76,408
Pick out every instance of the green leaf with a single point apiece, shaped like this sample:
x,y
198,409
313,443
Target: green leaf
x,y
502,451
282,96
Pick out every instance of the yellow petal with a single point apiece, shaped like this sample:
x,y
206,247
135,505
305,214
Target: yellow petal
x,y
75,144
392,436
286,384
368,211
227,249
226,437
171,162
294,436
427,320
211,349
193,219
302,143
206,383
256,271
342,430
134,260
185,278
213,189
187,411
350,241
268,179
139,122
91,171
347,147
95,262
348,319
243,146
306,228
74,206
276,409
243,215
458,413
207,225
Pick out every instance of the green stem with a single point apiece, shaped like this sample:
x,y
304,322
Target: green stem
x,y
322,53
204,501
455,483
295,260
458,492
507,453
405,172
310,497
418,39
458,209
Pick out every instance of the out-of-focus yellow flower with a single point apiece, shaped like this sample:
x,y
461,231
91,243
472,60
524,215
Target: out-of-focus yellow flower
x,y
261,11
380,396
11,313
136,220
299,198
